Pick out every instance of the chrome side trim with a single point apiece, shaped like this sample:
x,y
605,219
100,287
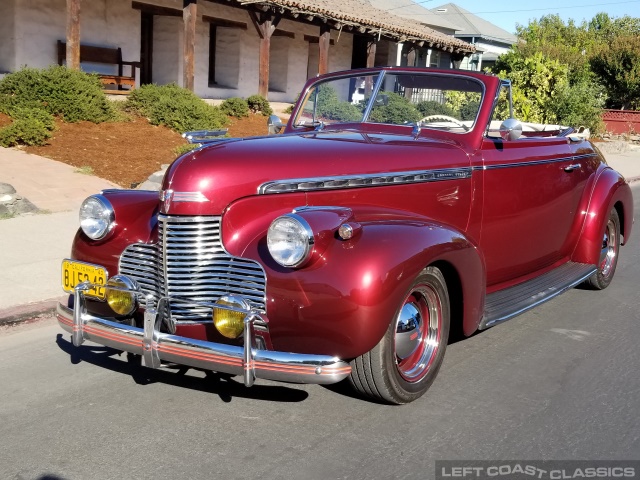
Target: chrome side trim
x,y
156,346
536,162
362,180
505,304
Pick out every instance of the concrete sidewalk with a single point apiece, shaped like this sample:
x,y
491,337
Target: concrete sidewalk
x,y
32,246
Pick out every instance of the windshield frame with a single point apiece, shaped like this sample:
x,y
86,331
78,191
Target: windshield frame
x,y
381,73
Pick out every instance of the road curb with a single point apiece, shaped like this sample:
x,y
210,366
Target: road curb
x,y
20,313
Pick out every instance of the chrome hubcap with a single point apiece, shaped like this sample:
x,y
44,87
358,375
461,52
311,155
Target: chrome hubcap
x,y
417,335
609,249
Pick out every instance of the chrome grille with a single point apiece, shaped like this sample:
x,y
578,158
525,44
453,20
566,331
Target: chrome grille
x,y
189,263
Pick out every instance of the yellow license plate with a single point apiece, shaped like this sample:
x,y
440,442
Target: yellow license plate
x,y
74,273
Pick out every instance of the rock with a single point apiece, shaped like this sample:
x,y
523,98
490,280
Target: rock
x,y
7,198
6,189
156,177
149,185
24,206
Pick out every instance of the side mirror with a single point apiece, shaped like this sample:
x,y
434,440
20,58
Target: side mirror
x,y
274,125
511,129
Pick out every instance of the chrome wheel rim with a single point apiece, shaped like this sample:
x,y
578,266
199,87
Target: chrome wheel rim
x,y
609,249
418,329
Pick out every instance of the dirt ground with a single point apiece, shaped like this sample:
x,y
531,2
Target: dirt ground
x,y
124,152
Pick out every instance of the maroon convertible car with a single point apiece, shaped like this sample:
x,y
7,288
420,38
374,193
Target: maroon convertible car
x,y
398,206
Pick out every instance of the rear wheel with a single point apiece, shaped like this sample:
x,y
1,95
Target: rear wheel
x,y
406,361
608,255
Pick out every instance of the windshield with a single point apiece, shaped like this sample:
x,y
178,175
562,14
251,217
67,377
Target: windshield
x,y
430,100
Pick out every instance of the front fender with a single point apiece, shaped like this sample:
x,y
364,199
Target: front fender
x,y
611,189
342,303
135,222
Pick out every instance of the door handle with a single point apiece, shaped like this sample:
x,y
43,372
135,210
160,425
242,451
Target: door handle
x,y
572,167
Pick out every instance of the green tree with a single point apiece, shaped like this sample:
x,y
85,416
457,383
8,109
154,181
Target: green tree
x,y
617,65
537,78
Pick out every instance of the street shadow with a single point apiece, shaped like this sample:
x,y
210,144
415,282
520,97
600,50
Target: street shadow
x,y
223,385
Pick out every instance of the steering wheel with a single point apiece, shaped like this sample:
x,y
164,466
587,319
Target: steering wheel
x,y
446,118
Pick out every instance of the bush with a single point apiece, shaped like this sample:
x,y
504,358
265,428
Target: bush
x,y
330,107
580,105
74,95
431,107
30,127
175,107
397,111
235,107
182,149
257,103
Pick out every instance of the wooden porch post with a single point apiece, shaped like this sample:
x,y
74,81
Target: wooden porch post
x,y
265,25
189,16
371,53
73,34
323,45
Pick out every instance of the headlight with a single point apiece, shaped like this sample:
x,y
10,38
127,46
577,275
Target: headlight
x,y
96,217
289,240
122,302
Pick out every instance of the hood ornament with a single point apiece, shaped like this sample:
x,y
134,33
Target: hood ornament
x,y
165,197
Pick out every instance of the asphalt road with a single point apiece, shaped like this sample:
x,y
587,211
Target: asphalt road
x,y
560,382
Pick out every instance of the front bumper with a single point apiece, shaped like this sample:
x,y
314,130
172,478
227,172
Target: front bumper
x,y
155,346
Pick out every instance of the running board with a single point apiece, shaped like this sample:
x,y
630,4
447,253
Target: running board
x,y
510,302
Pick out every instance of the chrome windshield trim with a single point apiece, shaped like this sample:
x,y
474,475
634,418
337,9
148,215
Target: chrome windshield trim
x,y
374,94
362,180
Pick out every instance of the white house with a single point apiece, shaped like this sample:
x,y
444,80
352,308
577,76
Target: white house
x,y
219,48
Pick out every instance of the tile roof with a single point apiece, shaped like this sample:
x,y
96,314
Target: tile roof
x,y
360,14
472,25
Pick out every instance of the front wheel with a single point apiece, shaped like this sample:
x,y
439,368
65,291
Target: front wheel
x,y
608,255
403,365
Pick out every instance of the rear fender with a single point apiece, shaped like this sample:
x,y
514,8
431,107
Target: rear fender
x,y
611,189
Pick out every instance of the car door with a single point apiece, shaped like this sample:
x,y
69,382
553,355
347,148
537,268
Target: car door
x,y
531,193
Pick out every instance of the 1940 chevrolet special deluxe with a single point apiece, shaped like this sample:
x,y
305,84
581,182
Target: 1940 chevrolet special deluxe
x,y
396,207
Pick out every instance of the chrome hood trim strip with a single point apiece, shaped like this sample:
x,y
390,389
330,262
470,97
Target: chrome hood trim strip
x,y
362,180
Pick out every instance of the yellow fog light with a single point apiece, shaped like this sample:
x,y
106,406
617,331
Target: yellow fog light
x,y
228,322
121,302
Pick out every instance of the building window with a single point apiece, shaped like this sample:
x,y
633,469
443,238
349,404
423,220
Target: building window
x,y
434,60
212,54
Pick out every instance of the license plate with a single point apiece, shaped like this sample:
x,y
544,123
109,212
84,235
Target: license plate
x,y
74,273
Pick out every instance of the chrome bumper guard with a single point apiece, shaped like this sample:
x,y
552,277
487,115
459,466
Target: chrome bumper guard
x,y
155,346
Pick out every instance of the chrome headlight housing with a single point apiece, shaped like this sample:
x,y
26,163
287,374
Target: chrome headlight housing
x,y
289,240
96,217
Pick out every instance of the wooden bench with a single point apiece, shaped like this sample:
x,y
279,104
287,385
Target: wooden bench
x,y
107,56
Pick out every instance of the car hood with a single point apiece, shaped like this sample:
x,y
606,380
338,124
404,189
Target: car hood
x,y
207,180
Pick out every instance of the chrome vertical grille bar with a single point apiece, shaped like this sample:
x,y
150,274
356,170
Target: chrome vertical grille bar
x,y
189,262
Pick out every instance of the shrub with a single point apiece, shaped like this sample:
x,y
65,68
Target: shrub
x,y
235,107
431,107
74,95
25,131
580,105
330,107
398,110
257,103
182,149
175,107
